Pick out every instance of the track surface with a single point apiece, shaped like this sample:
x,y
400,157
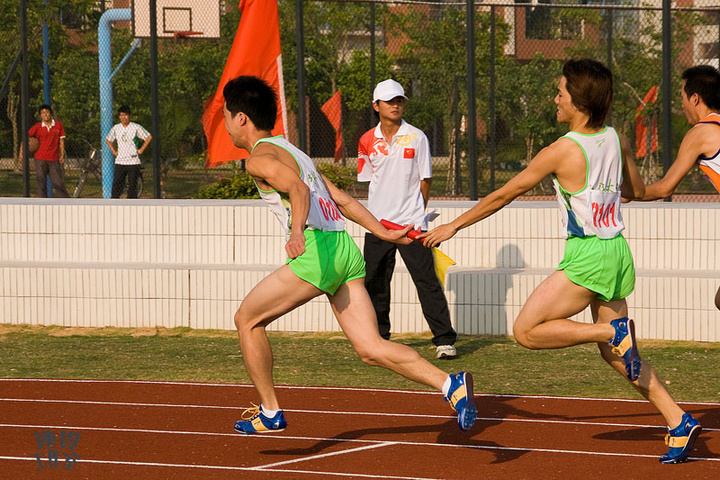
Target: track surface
x,y
184,430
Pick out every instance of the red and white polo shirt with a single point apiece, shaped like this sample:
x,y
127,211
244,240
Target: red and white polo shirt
x,y
394,171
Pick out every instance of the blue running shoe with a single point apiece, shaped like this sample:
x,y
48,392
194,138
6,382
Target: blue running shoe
x,y
681,440
624,345
460,398
254,421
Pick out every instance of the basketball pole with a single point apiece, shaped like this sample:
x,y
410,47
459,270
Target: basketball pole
x,y
105,75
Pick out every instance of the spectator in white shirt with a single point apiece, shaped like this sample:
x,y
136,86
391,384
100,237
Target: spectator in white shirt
x,y
127,154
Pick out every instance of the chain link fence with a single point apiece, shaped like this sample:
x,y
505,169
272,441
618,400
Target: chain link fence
x,y
349,47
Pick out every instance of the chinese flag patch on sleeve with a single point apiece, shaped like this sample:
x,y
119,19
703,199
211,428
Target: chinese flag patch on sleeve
x,y
409,153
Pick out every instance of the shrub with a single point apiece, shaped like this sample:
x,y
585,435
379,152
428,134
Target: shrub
x,y
240,185
342,177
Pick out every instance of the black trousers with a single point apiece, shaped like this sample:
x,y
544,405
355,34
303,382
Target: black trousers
x,y
380,264
132,173
57,177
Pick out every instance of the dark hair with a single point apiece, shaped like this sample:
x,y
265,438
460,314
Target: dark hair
x,y
705,81
45,106
253,97
590,85
124,109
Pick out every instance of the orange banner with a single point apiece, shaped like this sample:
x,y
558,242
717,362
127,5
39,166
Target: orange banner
x,y
333,111
641,125
255,51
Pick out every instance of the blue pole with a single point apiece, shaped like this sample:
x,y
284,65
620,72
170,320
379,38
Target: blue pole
x,y
46,81
106,90
135,45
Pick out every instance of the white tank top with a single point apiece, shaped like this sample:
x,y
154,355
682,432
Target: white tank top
x,y
324,214
595,208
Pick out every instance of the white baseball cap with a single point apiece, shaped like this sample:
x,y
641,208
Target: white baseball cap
x,y
387,90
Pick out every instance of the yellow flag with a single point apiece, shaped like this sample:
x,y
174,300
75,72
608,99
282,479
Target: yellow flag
x,y
442,263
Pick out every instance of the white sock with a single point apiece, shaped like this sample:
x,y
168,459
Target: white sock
x,y
446,386
268,413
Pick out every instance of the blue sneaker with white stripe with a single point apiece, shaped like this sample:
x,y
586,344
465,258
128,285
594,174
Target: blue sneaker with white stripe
x,y
460,398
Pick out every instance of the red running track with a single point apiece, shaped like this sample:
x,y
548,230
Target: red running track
x,y
156,430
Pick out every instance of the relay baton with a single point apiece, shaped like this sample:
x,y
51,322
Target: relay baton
x,y
413,234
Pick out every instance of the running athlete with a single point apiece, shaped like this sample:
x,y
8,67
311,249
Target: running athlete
x,y
588,166
322,259
700,94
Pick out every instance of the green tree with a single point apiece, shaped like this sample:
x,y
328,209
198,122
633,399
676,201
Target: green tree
x,y
525,101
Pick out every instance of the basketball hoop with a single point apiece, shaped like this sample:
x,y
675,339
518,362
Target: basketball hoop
x,y
185,34
177,19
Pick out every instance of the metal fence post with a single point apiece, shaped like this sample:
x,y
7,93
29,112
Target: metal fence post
x,y
299,42
155,99
491,103
472,141
666,85
610,33
372,58
24,98
46,82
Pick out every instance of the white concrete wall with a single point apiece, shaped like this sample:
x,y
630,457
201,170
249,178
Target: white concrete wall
x,y
190,263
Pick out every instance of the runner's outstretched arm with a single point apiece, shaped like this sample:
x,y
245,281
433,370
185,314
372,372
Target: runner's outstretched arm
x,y
355,211
687,155
544,163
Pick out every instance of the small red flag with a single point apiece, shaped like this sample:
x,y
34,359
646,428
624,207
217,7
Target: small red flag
x,y
333,111
255,51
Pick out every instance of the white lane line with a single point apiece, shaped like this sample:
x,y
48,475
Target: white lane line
x,y
335,412
325,455
223,467
347,440
354,389
119,404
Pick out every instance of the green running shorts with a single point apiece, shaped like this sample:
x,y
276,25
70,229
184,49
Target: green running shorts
x,y
603,266
330,260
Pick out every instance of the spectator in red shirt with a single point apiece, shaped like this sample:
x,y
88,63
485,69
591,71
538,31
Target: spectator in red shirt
x,y
50,155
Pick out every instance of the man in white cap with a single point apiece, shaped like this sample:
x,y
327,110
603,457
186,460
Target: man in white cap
x,y
395,158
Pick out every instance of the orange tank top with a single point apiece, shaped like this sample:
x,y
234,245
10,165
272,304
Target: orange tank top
x,y
711,165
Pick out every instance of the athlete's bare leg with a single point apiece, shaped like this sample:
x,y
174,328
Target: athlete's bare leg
x,y
277,294
543,321
717,299
648,383
353,308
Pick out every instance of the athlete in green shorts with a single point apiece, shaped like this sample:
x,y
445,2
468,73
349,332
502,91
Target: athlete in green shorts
x,y
592,168
322,259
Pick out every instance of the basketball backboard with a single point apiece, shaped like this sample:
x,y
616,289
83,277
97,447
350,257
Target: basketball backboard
x,y
199,18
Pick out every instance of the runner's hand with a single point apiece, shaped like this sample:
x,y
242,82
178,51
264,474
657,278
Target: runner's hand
x,y
295,246
439,234
395,236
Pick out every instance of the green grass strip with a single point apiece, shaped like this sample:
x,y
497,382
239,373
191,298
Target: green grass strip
x,y
689,369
